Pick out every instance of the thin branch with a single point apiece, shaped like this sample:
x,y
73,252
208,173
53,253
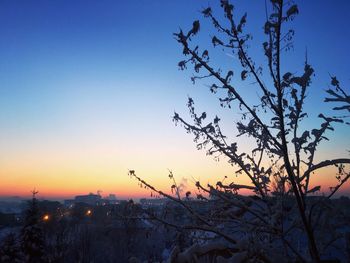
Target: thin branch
x,y
324,164
199,217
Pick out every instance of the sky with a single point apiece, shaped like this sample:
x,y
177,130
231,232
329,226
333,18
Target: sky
x,y
88,90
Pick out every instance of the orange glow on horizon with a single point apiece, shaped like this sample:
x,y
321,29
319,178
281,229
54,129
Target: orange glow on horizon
x,y
76,174
129,188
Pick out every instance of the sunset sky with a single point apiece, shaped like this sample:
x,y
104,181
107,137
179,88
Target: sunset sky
x,y
88,90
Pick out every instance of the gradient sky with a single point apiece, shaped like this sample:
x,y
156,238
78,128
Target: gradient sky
x,y
88,89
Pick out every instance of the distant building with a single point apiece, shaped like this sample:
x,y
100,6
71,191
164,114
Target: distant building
x,y
111,199
153,202
69,202
90,199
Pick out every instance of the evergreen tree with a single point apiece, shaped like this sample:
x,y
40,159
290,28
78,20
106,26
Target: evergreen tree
x,y
32,242
10,251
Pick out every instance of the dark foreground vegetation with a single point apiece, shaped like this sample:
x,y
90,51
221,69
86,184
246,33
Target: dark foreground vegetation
x,y
47,231
281,221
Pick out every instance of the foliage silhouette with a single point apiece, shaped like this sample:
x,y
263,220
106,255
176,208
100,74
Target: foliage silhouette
x,y
32,237
268,225
10,251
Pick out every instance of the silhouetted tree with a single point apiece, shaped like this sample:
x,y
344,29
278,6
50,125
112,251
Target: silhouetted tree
x,y
282,159
337,94
32,238
10,251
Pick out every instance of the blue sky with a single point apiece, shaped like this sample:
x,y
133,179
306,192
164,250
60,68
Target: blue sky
x,y
101,78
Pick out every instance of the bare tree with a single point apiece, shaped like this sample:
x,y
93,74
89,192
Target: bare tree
x,y
279,220
338,95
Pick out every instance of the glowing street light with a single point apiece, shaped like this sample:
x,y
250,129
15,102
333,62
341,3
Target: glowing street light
x,y
88,212
46,217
